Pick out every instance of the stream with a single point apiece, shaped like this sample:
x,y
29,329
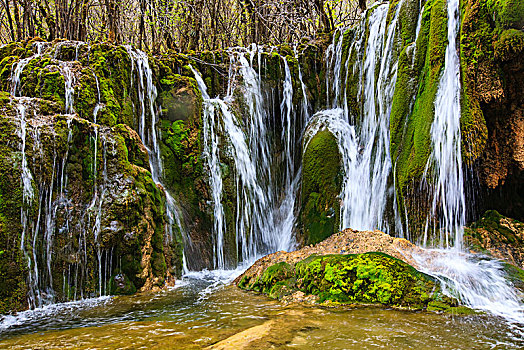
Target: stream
x,y
204,308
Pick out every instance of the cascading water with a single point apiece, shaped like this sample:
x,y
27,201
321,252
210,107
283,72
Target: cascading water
x,y
364,147
69,79
215,177
265,198
252,198
265,201
147,94
363,141
17,72
28,196
479,282
449,203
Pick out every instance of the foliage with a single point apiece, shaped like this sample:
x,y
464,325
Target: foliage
x,y
184,25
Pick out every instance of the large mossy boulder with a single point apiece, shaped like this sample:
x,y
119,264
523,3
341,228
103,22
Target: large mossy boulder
x,y
369,278
321,182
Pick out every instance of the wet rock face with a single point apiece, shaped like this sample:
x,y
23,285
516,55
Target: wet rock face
x,y
343,269
499,236
80,213
321,182
82,225
492,44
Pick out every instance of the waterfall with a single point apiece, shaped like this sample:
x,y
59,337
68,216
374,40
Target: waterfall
x,y
258,131
147,94
69,80
17,72
445,164
27,196
363,139
479,282
265,211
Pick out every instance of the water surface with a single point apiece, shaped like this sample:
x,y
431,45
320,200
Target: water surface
x,y
202,312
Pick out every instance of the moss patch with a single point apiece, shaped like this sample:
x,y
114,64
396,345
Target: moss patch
x,y
321,183
370,278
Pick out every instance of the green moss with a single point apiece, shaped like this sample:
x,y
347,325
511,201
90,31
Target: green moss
x,y
372,278
13,268
87,97
6,66
134,150
158,262
492,221
509,45
507,13
515,275
320,187
120,284
413,145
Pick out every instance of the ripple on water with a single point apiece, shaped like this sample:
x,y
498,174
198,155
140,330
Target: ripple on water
x,y
180,318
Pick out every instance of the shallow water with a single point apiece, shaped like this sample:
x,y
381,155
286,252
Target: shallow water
x,y
202,312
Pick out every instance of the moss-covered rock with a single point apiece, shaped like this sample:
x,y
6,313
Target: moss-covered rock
x,y
96,212
321,181
121,285
491,45
410,121
370,278
499,236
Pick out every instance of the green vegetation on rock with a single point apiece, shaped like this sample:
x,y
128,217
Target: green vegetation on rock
x,y
370,278
321,181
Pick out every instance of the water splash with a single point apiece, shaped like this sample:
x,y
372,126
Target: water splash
x,y
477,281
53,310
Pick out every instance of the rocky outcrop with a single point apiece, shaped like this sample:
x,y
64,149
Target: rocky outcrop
x,y
349,267
80,208
499,236
109,132
81,212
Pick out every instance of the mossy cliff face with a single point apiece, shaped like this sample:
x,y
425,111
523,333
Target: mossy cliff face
x,y
420,65
13,289
94,214
321,181
370,278
96,222
492,45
